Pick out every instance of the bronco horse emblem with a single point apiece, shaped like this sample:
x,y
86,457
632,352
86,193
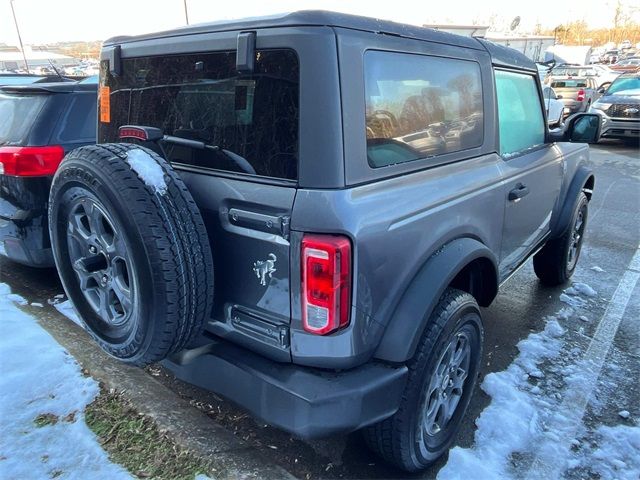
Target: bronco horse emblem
x,y
262,268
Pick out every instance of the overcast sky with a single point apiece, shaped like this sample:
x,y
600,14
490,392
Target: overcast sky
x,y
44,21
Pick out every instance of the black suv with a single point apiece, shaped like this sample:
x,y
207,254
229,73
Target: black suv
x,y
39,124
358,188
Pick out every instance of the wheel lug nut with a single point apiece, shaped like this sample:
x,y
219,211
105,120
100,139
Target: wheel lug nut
x,y
93,249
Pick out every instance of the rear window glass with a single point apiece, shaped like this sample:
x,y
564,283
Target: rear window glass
x,y
252,120
79,121
419,106
17,115
569,84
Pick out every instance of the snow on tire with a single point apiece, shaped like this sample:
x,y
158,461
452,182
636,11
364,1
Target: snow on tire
x,y
132,251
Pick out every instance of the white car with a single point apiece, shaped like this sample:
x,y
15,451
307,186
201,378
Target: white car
x,y
553,106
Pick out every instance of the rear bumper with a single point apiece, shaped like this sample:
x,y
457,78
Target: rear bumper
x,y
24,232
307,402
26,243
571,107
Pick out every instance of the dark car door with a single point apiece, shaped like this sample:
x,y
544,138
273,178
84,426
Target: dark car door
x,y
532,170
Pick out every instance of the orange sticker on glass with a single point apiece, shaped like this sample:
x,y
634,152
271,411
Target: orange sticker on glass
x,y
105,105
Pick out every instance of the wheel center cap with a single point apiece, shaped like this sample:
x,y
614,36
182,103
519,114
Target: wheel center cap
x,y
445,383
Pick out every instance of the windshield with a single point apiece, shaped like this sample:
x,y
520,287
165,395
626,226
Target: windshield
x,y
17,114
625,85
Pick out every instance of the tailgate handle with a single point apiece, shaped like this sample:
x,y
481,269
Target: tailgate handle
x,y
259,221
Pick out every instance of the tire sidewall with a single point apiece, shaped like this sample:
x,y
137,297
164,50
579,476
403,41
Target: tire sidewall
x,y
74,177
425,449
581,201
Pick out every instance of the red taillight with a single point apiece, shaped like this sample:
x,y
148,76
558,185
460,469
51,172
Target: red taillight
x,y
326,283
30,161
132,132
580,95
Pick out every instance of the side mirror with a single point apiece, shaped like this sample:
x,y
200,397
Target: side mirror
x,y
602,90
578,128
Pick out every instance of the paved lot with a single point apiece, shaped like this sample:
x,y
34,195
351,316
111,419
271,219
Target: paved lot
x,y
613,237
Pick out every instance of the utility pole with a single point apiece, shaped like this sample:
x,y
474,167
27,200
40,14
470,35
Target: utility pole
x,y
186,14
24,56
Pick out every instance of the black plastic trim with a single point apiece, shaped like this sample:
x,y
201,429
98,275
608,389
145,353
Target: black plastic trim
x,y
309,403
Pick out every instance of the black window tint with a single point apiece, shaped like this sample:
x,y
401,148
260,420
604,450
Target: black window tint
x,y
79,122
419,106
202,97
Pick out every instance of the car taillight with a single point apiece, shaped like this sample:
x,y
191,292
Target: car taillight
x,y
30,161
580,95
326,283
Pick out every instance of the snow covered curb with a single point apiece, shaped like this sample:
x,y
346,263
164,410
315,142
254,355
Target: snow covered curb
x,y
43,395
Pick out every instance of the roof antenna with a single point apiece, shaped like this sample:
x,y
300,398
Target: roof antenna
x,y
55,69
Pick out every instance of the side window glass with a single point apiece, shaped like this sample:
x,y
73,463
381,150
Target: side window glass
x,y
521,123
80,121
419,106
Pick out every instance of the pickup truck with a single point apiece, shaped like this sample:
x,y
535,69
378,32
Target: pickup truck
x,y
578,93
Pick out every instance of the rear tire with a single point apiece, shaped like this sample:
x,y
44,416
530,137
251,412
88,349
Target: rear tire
x,y
131,250
437,392
557,260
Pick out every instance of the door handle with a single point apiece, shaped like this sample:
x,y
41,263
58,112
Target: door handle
x,y
518,193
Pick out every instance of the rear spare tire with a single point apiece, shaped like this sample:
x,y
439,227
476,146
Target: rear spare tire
x,y
132,250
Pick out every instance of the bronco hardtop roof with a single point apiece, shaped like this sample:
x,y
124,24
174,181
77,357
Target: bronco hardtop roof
x,y
501,55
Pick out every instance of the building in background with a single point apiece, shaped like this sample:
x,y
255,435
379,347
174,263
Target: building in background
x,y
533,46
13,60
578,55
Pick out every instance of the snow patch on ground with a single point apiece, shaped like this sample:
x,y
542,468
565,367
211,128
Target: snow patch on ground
x,y
19,299
596,268
515,404
617,454
584,289
575,302
39,379
67,309
148,169
525,415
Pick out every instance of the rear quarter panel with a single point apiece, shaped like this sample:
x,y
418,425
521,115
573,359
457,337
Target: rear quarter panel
x,y
395,225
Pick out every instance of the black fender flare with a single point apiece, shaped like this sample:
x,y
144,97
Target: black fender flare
x,y
578,184
412,313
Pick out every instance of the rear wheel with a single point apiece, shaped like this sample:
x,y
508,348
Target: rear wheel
x,y
132,251
442,377
557,261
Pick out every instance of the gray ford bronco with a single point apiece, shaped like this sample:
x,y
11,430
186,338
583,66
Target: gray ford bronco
x,y
304,213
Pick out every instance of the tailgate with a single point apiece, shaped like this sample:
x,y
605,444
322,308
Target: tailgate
x,y
567,93
233,138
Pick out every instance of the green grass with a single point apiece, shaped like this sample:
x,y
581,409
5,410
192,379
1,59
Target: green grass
x,y
135,442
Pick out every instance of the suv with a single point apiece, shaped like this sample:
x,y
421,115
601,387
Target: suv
x,y
39,124
359,187
619,107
